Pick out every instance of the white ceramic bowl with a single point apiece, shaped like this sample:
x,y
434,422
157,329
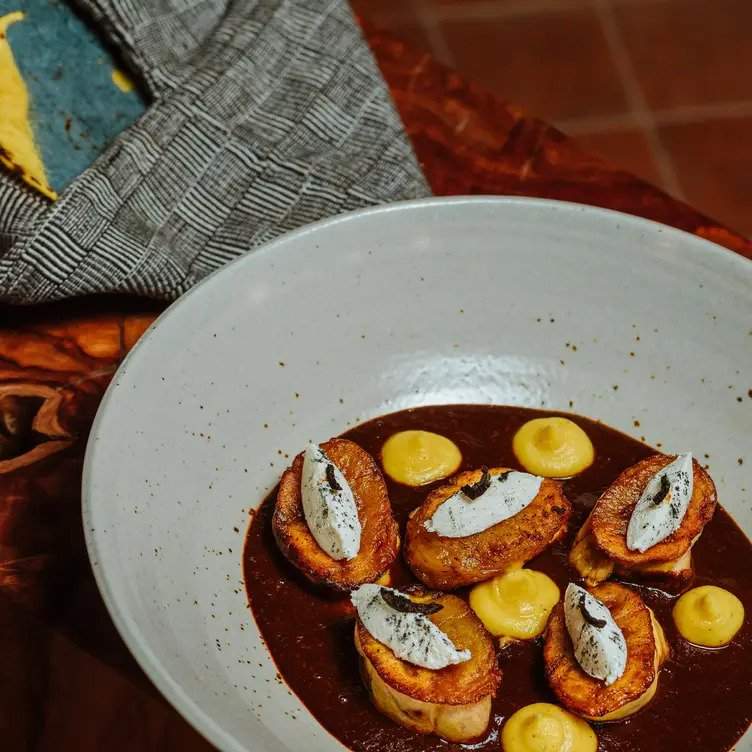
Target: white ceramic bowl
x,y
439,301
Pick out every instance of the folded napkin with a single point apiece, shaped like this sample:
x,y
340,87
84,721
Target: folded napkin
x,y
265,115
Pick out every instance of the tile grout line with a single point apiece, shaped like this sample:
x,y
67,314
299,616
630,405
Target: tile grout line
x,y
579,126
699,112
682,115
491,9
432,27
636,98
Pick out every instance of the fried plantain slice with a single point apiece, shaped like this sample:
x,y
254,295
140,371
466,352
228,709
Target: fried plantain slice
x,y
379,542
647,650
610,517
594,566
448,563
452,702
587,559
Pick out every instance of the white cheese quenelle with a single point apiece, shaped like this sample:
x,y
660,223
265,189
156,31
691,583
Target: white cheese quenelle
x,y
599,644
329,505
662,505
394,620
475,508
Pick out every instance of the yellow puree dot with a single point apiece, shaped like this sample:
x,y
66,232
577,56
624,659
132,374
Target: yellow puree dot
x,y
709,616
542,727
515,604
419,457
553,447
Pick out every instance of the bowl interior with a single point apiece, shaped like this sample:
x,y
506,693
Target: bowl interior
x,y
510,301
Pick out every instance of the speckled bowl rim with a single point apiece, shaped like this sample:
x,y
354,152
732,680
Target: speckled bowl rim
x,y
128,629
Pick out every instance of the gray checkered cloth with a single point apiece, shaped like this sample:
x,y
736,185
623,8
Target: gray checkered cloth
x,y
265,115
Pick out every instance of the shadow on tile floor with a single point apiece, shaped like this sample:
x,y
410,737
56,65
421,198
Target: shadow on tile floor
x,y
662,88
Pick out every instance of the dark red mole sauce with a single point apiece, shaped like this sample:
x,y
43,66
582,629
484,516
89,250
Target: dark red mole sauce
x,y
704,698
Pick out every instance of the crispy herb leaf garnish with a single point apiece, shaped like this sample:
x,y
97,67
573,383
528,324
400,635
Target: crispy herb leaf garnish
x,y
663,490
587,616
406,605
330,479
474,490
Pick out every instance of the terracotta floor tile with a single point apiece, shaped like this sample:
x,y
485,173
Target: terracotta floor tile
x,y
688,52
551,57
713,160
400,17
386,12
557,65
627,149
507,6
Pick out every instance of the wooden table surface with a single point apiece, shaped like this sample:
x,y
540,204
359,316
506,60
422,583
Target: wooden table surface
x,y
67,682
